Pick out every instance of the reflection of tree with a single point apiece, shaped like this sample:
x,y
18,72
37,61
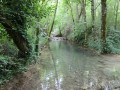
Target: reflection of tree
x,y
56,73
49,75
77,68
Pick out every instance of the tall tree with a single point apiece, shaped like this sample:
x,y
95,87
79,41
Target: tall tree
x,y
13,20
77,12
14,16
116,13
18,37
85,21
53,19
81,10
103,25
71,10
93,15
37,31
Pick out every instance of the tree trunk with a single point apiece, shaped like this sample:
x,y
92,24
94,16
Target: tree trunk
x,y
93,16
73,20
116,13
85,22
18,36
77,13
53,19
37,41
19,39
80,11
103,25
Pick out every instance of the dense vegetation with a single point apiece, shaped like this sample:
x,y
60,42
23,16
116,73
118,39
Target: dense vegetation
x,y
20,30
93,23
26,25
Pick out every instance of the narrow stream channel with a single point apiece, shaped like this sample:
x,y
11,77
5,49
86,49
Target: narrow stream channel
x,y
64,66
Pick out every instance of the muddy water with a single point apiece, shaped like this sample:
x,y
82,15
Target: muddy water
x,y
64,66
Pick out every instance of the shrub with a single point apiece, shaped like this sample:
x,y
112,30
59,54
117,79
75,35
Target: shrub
x,y
113,42
9,66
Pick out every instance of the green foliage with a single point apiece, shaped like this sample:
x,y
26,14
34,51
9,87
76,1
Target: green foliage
x,y
113,42
78,35
9,66
2,32
96,44
76,32
22,16
7,47
25,16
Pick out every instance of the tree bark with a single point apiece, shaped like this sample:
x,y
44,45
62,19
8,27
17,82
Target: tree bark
x,y
93,15
116,13
37,41
80,11
103,25
73,20
77,12
53,19
19,39
85,22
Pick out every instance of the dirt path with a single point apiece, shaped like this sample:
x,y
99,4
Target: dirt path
x,y
24,81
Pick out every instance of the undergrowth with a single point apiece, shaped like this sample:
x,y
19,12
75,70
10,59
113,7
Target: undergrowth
x,y
10,66
10,63
112,44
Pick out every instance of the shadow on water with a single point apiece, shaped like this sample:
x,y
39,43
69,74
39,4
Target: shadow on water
x,y
64,66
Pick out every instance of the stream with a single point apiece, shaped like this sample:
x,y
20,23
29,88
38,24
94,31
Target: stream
x,y
65,66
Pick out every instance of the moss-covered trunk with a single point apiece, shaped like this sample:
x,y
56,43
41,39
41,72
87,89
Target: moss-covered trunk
x,y
103,25
93,16
85,22
18,37
116,13
53,19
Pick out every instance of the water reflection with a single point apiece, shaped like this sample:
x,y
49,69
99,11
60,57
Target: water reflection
x,y
67,67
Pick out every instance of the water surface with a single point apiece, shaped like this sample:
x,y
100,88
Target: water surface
x,y
70,67
65,66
